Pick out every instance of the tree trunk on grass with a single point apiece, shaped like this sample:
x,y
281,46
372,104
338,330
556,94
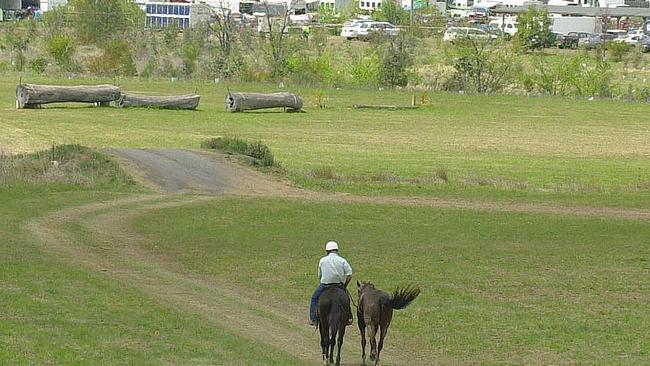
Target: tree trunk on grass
x,y
190,101
33,95
239,102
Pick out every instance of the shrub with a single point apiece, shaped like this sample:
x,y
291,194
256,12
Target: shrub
x,y
364,69
38,65
617,50
260,153
394,60
483,67
116,58
61,48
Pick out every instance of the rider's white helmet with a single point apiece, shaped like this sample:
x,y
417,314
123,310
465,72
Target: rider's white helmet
x,y
331,245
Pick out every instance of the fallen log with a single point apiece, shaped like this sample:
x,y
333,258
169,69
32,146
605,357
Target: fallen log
x,y
189,101
33,95
239,102
385,106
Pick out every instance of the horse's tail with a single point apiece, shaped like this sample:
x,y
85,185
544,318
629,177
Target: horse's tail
x,y
402,297
337,312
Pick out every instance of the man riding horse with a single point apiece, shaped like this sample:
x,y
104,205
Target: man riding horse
x,y
333,271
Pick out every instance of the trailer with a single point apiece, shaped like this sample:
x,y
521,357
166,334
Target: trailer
x,y
568,24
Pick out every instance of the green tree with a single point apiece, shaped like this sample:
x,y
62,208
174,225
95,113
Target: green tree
x,y
395,58
391,12
96,21
17,39
483,67
534,29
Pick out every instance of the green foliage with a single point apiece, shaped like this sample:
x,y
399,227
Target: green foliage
x,y
313,69
62,164
98,21
534,29
577,75
190,55
260,153
483,67
327,15
61,48
365,68
17,39
391,12
395,58
116,59
38,65
617,50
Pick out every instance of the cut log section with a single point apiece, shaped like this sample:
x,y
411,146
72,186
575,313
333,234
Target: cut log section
x,y
384,106
239,102
33,95
189,101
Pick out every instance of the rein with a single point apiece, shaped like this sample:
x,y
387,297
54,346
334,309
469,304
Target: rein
x,y
352,300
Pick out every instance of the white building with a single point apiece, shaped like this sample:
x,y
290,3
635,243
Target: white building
x,y
46,5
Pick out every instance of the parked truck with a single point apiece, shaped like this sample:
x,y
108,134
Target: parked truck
x,y
567,24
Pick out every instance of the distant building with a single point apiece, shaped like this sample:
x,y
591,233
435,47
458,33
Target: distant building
x,y
11,4
47,5
161,14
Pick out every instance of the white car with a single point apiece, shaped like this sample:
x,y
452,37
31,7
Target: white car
x,y
363,29
350,29
632,39
455,33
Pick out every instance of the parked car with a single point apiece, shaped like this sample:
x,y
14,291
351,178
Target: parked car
x,y
368,29
595,40
644,44
571,39
362,29
350,29
455,33
632,39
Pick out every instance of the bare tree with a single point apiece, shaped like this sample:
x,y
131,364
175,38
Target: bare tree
x,y
277,36
223,26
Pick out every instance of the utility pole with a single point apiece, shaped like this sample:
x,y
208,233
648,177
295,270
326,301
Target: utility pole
x,y
412,13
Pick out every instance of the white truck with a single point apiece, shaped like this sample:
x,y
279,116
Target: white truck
x,y
568,24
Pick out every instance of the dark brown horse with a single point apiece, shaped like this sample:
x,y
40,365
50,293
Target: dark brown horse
x,y
333,312
375,311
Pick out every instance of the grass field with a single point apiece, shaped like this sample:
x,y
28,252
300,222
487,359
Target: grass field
x,y
96,270
497,288
495,147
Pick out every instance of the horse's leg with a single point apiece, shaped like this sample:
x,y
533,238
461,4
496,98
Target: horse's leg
x,y
372,330
383,329
362,330
332,346
340,344
324,337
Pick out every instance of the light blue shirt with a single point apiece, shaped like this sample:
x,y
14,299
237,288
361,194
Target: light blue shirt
x,y
333,268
